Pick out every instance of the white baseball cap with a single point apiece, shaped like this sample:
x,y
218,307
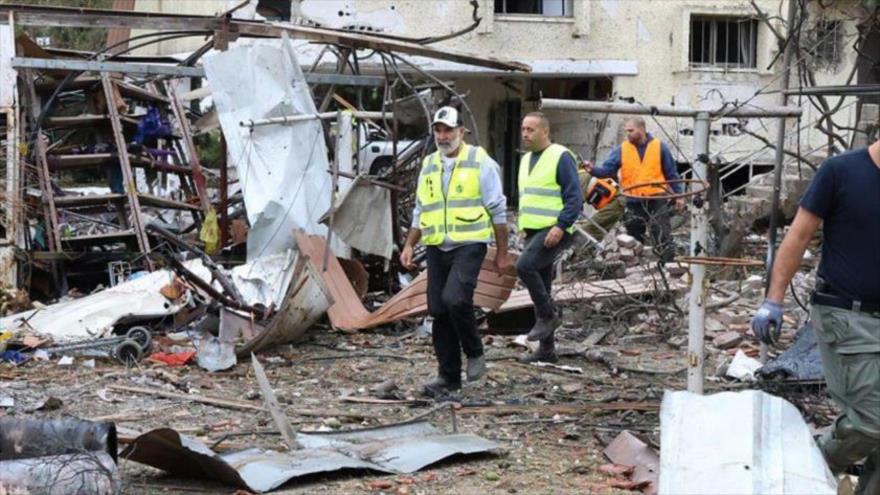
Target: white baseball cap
x,y
447,116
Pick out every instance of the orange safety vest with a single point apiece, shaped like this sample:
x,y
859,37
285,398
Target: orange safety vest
x,y
635,170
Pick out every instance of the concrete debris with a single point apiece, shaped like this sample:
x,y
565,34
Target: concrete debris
x,y
727,340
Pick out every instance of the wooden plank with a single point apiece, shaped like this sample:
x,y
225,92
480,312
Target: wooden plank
x,y
371,42
197,174
638,285
75,17
85,120
128,178
52,232
98,239
240,404
66,162
278,416
552,409
88,200
202,399
132,91
160,202
46,16
78,84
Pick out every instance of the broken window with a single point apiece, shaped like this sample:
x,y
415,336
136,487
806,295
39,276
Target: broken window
x,y
552,8
274,10
827,38
726,42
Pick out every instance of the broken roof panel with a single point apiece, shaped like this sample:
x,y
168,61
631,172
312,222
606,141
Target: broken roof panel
x,y
404,448
741,443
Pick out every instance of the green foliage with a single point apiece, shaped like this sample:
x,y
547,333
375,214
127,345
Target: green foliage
x,y
208,149
89,39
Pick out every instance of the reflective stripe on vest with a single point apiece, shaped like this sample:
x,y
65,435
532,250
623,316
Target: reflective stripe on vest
x,y
540,196
459,214
636,170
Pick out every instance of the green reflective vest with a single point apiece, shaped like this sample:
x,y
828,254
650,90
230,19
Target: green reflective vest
x,y
460,213
540,197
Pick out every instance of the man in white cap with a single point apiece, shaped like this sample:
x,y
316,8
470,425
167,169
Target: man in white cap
x,y
459,208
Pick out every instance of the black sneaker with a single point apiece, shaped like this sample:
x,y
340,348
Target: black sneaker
x,y
440,388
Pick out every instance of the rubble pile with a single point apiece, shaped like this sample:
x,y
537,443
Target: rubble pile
x,y
239,319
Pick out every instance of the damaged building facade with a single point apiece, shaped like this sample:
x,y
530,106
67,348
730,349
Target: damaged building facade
x,y
704,55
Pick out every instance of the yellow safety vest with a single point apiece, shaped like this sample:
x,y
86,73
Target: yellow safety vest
x,y
540,196
460,213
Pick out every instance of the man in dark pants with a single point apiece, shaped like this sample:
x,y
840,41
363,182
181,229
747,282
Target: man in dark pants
x,y
550,201
640,159
844,197
459,206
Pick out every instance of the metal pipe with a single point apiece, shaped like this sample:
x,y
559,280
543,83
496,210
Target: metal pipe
x,y
290,119
699,238
777,167
665,110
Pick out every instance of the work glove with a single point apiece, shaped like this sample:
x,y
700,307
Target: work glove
x,y
767,322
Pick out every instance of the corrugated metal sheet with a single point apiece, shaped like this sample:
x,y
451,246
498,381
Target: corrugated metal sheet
x,y
738,443
404,448
348,313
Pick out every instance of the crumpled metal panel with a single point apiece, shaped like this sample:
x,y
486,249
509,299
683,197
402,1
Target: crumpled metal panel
x,y
740,443
389,449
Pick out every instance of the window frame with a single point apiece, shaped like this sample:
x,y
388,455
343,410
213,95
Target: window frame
x,y
712,21
568,11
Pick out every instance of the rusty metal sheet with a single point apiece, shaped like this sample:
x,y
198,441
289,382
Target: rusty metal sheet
x,y
628,450
348,313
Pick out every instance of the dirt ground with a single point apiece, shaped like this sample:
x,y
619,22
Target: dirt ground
x,y
542,450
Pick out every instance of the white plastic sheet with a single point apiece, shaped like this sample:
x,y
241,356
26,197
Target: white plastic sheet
x,y
94,315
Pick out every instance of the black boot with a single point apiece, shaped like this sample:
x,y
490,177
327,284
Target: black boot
x,y
441,387
546,352
544,327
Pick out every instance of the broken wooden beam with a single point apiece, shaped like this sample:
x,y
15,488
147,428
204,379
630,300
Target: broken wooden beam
x,y
240,404
550,409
